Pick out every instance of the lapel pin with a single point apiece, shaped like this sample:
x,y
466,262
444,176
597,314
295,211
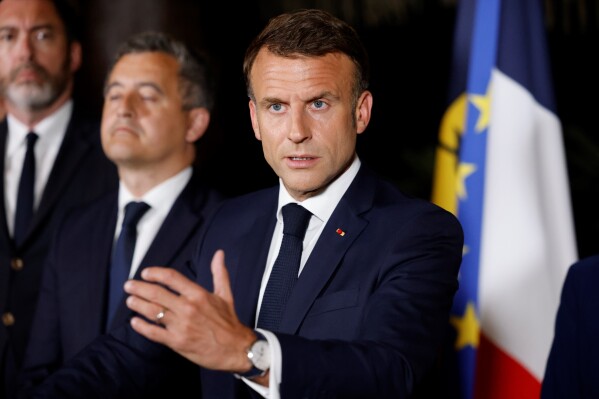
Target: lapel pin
x,y
340,232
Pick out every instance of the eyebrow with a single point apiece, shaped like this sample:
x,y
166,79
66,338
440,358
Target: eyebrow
x,y
138,85
322,95
48,26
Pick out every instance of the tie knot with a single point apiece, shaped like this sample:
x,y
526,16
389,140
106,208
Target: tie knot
x,y
295,220
31,139
133,212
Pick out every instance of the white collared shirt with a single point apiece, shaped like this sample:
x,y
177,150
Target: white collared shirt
x,y
322,207
161,199
51,131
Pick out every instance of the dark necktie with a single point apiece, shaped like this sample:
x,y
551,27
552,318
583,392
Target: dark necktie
x,y
123,254
286,268
24,211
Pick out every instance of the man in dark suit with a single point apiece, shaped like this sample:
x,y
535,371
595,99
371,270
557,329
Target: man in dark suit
x,y
40,54
371,290
157,105
572,371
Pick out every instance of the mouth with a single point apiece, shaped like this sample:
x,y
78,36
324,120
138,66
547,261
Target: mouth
x,y
298,162
300,158
118,130
28,73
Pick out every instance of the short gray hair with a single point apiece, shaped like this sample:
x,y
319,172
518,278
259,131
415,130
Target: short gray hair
x,y
194,81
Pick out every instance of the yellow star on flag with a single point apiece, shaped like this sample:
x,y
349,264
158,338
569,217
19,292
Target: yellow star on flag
x,y
483,104
465,249
464,170
467,327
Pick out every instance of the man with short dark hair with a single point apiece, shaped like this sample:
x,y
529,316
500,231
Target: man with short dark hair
x,y
332,284
157,103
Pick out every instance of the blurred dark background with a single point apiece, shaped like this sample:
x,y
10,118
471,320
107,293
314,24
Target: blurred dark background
x,y
410,44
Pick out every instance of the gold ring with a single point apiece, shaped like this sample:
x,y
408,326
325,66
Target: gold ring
x,y
160,315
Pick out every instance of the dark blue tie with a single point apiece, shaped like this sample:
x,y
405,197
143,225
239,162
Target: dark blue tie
x,y
123,254
286,268
24,211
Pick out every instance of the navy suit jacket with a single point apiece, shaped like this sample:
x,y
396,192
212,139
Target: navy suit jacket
x,y
366,317
572,370
72,304
80,174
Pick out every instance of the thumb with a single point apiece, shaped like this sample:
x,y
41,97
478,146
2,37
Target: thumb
x,y
220,277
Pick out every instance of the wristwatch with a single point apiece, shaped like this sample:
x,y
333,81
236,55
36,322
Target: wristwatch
x,y
259,355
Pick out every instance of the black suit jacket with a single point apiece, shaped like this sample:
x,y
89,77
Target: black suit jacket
x,y
365,319
572,370
81,173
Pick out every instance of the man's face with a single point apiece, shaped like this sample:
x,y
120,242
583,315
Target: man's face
x,y
143,121
37,67
304,116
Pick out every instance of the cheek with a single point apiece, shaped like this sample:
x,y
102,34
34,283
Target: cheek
x,y
6,67
53,61
108,115
105,140
340,144
270,149
106,121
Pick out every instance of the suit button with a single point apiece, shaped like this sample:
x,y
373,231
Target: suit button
x,y
8,319
17,264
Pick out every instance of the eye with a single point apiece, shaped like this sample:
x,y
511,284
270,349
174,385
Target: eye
x,y
149,98
276,107
41,35
319,104
7,36
113,97
149,93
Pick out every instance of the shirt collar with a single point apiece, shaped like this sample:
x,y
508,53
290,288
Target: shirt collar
x,y
164,194
51,128
323,204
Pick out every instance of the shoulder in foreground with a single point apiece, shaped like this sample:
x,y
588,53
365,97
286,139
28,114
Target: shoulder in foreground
x,y
586,267
402,199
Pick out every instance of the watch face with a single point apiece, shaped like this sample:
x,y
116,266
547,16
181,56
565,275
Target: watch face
x,y
259,355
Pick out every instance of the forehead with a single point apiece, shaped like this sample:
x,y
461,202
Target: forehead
x,y
273,75
28,14
155,67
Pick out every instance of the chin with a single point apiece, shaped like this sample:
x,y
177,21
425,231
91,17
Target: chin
x,y
30,96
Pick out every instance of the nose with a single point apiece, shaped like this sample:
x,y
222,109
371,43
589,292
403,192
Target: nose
x,y
124,113
300,127
125,108
25,48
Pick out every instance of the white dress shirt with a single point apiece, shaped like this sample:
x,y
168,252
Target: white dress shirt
x,y
51,132
161,199
321,207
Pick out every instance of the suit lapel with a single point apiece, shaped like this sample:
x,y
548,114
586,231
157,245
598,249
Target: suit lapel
x,y
179,226
72,150
247,277
329,250
6,242
97,267
3,222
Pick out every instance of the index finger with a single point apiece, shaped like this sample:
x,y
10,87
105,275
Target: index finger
x,y
171,279
151,292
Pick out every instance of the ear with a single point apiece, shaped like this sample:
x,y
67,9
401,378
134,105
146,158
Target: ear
x,y
254,118
75,56
198,120
363,111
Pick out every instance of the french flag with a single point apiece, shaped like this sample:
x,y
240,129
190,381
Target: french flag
x,y
500,168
